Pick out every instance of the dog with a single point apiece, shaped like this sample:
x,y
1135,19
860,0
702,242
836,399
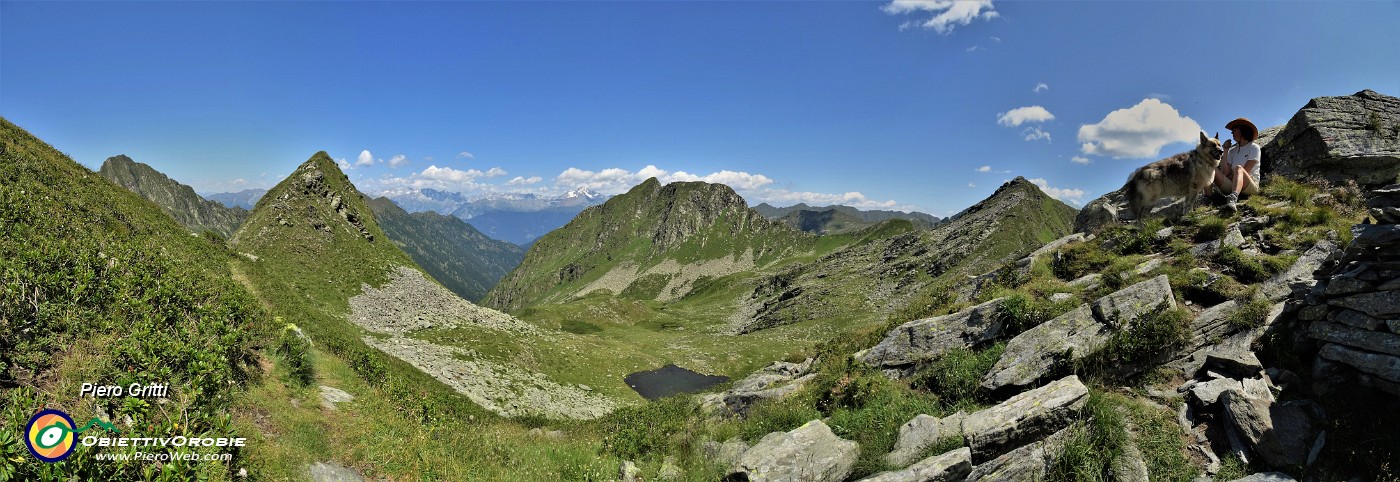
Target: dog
x,y
1183,175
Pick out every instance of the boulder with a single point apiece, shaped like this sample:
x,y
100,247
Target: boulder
x,y
922,432
1029,462
1240,362
1051,346
1381,365
1208,392
726,453
925,339
629,472
1100,212
1340,138
1047,348
810,453
1281,434
333,472
1233,237
1025,417
1266,477
774,381
1381,304
1354,318
1052,246
952,466
1127,304
1300,273
1374,341
330,396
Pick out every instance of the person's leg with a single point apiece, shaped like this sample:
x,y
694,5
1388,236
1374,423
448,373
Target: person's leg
x,y
1240,178
1222,180
1251,185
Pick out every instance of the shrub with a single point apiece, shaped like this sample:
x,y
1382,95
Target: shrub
x,y
295,350
1091,447
1211,228
1157,333
1077,260
1250,314
957,375
659,427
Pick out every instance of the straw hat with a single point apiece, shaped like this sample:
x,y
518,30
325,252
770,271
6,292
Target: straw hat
x,y
1245,123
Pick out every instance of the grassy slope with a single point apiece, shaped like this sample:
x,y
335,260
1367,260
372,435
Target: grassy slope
x,y
99,285
648,224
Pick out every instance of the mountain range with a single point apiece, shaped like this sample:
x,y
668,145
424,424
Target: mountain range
x,y
246,199
838,218
517,218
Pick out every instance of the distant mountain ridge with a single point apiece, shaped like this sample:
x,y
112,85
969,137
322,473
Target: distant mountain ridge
x,y
463,259
517,218
246,199
812,218
178,200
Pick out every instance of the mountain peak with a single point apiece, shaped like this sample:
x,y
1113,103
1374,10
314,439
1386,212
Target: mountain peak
x,y
316,196
177,200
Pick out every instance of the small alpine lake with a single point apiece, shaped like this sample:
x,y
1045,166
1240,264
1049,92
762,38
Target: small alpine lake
x,y
670,380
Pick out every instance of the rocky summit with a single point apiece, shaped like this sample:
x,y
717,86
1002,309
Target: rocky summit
x,y
178,200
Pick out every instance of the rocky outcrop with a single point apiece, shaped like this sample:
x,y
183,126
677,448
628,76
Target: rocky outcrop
x,y
772,382
925,339
1051,346
1281,434
1353,311
808,453
330,396
952,466
1028,416
1354,137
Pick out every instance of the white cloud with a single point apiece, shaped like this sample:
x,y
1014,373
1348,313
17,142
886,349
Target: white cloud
x,y
342,163
1139,131
1041,86
465,155
1071,196
995,39
1021,115
495,172
239,182
524,181
974,48
1161,97
1035,134
398,160
947,14
784,197
1079,160
984,169
971,185
447,174
619,180
365,159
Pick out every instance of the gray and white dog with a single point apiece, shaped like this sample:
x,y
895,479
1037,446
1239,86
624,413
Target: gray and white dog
x,y
1183,175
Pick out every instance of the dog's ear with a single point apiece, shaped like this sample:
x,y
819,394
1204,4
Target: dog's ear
x,y
1204,139
1217,135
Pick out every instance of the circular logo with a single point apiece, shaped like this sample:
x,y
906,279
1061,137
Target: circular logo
x,y
49,435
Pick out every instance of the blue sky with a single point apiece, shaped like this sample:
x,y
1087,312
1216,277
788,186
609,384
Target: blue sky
x,y
926,106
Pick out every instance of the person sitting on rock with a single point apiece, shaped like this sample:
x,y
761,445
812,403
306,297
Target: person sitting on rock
x,y
1238,172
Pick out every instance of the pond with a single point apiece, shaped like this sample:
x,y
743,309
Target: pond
x,y
670,380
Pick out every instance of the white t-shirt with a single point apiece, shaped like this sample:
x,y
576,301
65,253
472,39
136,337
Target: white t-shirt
x,y
1241,154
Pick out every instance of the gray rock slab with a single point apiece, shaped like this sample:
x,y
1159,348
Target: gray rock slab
x,y
1123,306
1301,272
1354,318
333,472
1025,417
1375,341
1130,466
1208,392
330,396
1378,364
1281,434
928,338
922,432
1381,304
1266,477
1047,348
1027,463
1240,362
1334,138
952,466
810,453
